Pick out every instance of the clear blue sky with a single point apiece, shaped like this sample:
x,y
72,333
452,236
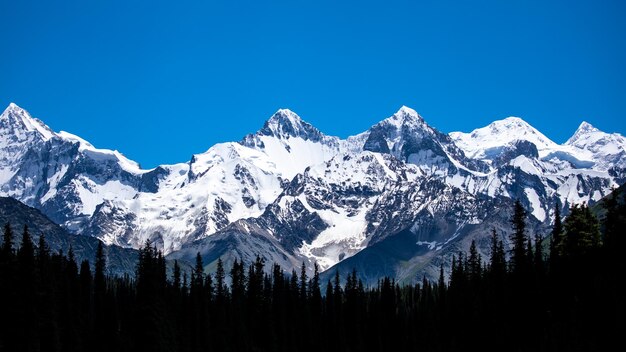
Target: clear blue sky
x,y
160,81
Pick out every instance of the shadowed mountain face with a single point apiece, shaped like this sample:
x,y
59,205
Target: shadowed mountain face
x,y
401,194
120,260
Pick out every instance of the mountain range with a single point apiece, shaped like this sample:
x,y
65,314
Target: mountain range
x,y
398,199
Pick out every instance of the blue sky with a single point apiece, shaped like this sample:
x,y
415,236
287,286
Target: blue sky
x,y
160,81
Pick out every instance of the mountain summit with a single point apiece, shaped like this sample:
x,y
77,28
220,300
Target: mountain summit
x,y
486,142
286,123
606,150
17,122
409,138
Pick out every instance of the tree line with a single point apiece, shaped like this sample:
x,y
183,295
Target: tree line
x,y
558,294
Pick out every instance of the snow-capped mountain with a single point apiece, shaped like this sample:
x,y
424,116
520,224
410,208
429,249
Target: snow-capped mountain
x,y
607,150
406,136
290,193
59,173
486,143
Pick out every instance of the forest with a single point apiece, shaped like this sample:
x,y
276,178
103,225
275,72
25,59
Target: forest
x,y
558,292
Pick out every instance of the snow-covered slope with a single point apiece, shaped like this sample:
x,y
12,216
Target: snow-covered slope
x,y
487,142
290,193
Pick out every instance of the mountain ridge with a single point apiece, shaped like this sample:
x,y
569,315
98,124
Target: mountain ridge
x,y
296,194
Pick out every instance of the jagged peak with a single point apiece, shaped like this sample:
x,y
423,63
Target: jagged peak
x,y
286,123
285,116
17,117
405,119
408,111
586,127
405,115
13,108
587,136
12,105
286,112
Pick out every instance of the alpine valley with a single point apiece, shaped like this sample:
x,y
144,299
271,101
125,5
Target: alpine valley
x,y
398,199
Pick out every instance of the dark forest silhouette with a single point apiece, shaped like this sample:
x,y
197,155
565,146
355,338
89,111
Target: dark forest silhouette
x,y
563,296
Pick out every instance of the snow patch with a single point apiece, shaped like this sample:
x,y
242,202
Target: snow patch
x,y
535,204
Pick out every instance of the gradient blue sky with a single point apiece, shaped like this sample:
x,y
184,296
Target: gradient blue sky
x,y
160,81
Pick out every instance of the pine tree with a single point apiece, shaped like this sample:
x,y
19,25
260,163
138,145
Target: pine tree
x,y
185,286
556,234
255,283
7,242
538,255
220,286
474,263
441,284
315,297
43,251
337,286
329,292
278,284
582,232
293,282
208,287
314,285
519,262
351,285
26,252
259,265
458,276
497,263
530,255
303,283
615,222
99,297
100,269
238,279
454,273
71,261
85,279
198,273
176,276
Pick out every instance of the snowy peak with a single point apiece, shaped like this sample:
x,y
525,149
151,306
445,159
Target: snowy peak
x,y
586,127
583,133
17,126
19,132
18,122
286,123
486,142
406,136
607,149
291,143
405,118
388,136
